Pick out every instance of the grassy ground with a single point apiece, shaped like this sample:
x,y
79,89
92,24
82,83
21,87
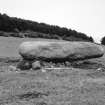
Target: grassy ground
x,y
82,84
9,45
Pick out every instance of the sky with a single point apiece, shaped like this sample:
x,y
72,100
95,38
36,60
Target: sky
x,y
86,16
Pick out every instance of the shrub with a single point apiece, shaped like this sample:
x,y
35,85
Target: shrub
x,y
103,40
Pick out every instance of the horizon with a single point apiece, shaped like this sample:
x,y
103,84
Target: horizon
x,y
86,16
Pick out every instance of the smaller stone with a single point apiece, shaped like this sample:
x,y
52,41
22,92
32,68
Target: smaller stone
x,y
67,64
36,65
43,70
12,68
99,69
24,65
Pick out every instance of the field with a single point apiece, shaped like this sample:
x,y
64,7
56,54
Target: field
x,y
82,84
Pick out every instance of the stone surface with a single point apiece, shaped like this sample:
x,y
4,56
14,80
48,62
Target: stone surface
x,y
12,68
36,65
24,65
60,50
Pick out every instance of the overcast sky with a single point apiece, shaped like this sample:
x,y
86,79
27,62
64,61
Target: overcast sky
x,y
87,16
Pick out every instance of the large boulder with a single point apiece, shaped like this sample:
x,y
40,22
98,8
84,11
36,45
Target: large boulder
x,y
59,50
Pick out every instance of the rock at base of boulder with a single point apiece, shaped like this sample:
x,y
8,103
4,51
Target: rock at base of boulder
x,y
24,65
36,65
12,68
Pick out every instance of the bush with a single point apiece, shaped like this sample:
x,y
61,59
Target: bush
x,y
103,40
38,30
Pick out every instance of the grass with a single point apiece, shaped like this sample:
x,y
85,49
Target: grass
x,y
63,87
82,84
9,45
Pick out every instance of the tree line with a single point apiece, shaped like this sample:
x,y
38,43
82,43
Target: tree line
x,y
103,40
17,25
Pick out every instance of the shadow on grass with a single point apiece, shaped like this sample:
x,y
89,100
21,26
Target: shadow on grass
x,y
31,95
88,65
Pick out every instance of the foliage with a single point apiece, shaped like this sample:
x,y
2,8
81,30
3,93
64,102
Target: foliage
x,y
17,25
103,40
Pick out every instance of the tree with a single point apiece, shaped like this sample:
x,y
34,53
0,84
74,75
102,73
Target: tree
x,y
14,24
103,40
91,39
